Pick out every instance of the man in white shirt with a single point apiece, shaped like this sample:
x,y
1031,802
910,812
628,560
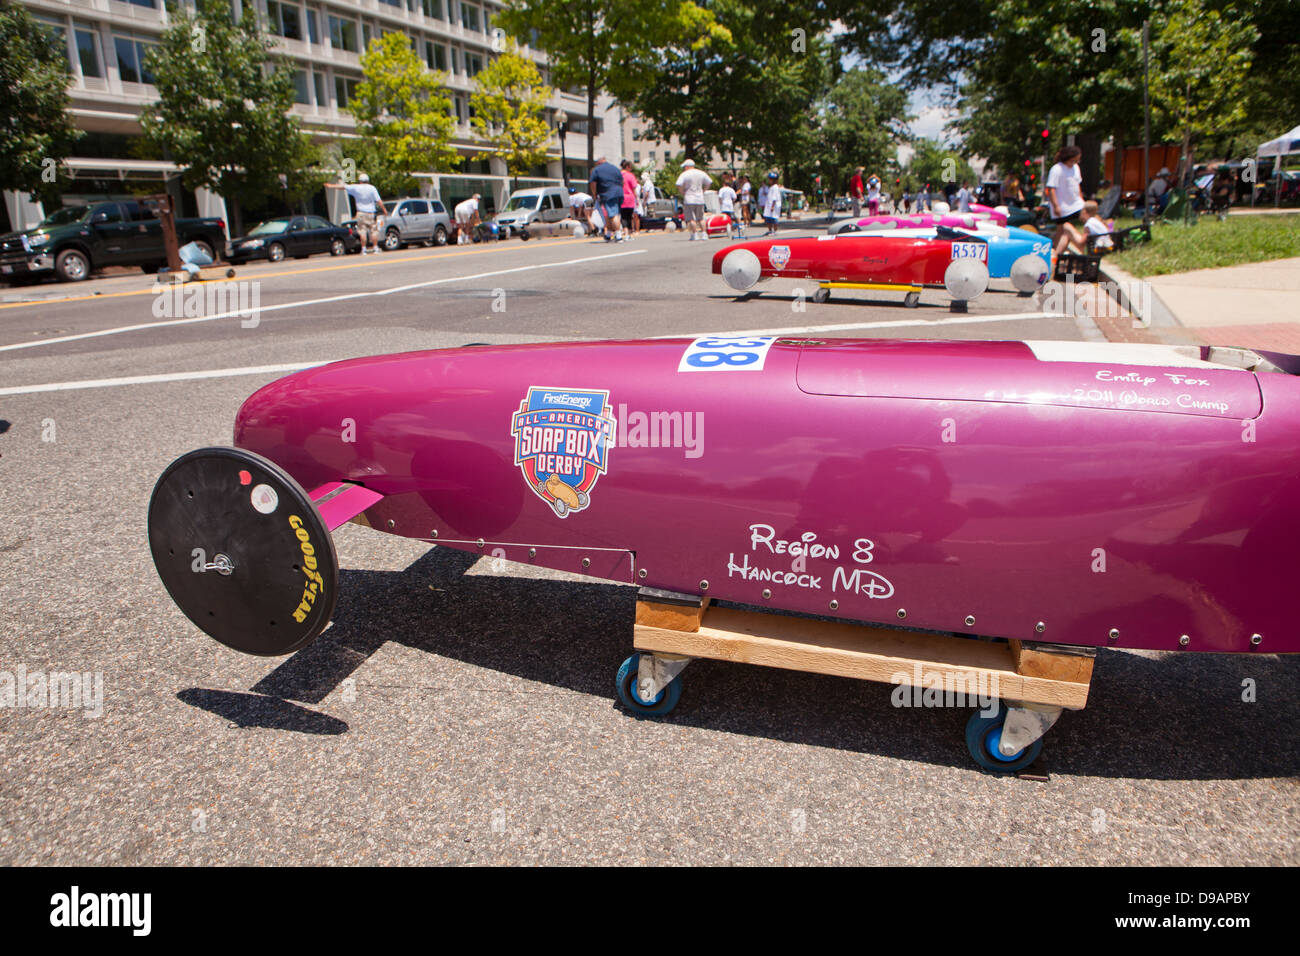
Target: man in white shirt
x,y
692,183
772,203
963,197
369,210
581,204
466,219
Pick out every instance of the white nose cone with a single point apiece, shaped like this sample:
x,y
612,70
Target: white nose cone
x,y
940,208
966,279
1028,273
740,269
577,229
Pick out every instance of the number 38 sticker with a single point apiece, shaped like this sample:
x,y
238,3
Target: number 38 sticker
x,y
726,353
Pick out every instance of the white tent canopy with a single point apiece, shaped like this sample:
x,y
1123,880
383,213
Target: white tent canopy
x,y
1286,143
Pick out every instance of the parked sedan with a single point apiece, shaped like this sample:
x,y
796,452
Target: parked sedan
x,y
296,236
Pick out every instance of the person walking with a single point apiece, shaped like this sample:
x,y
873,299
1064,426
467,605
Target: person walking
x,y
873,196
607,186
772,203
745,196
691,184
963,197
1064,194
631,222
727,205
370,209
856,191
907,201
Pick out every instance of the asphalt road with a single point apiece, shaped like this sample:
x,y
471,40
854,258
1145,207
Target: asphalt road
x,y
462,710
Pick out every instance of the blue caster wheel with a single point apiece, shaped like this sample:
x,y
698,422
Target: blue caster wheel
x,y
982,737
631,699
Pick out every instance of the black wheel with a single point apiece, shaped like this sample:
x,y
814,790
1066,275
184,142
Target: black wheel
x,y
275,252
337,246
912,300
440,236
151,269
72,265
242,551
983,733
821,295
206,248
392,240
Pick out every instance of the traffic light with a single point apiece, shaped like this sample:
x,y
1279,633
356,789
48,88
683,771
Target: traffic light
x,y
1046,132
1028,162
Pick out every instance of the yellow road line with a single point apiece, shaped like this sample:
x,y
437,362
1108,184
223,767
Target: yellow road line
x,y
290,272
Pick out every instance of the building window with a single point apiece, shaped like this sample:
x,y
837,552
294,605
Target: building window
x,y
435,54
433,8
88,52
636,133
284,20
453,65
393,3
322,97
469,17
344,90
365,36
343,34
151,4
300,93
636,156
473,64
313,29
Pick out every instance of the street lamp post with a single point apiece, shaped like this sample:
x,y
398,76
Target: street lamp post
x,y
562,123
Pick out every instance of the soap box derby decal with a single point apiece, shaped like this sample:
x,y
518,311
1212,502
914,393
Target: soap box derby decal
x,y
1073,493
562,444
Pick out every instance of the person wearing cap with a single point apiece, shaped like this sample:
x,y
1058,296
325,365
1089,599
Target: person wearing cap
x,y
691,184
369,208
466,219
580,203
1157,196
772,203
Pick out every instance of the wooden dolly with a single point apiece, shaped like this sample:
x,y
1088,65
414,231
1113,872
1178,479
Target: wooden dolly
x,y
1031,683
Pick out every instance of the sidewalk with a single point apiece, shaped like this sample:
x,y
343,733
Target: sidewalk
x,y
1256,305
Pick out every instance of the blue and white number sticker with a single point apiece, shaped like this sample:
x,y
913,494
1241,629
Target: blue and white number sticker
x,y
970,250
726,353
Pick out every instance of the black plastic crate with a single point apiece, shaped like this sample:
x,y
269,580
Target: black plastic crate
x,y
1083,268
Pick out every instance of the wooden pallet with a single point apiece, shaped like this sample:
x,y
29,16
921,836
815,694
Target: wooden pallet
x,y
1034,673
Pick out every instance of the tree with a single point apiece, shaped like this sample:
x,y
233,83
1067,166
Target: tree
x,y
223,110
860,123
403,114
1204,59
508,107
37,133
934,167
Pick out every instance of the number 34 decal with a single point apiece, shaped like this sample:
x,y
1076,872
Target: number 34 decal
x,y
726,353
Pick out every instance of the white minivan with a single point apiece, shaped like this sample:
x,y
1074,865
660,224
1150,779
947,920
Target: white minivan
x,y
543,204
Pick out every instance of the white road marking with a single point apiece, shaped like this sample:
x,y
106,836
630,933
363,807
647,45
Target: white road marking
x,y
307,302
890,324
166,377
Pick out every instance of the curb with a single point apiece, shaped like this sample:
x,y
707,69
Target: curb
x,y
1158,315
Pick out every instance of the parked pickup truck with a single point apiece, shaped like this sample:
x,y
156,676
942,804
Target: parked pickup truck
x,y
74,241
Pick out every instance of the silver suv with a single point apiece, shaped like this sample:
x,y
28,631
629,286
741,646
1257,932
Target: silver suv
x,y
415,220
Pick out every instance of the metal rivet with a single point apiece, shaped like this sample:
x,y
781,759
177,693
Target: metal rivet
x,y
1040,627
480,542
1256,639
704,585
641,573
532,552
970,620
1184,640
835,605
433,533
1113,634
586,562
392,523
767,593
902,613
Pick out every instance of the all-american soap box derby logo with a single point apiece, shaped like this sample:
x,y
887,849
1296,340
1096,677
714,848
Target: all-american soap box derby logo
x,y
562,439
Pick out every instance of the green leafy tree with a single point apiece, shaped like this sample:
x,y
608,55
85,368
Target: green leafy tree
x,y
1204,59
36,133
859,123
403,114
934,166
223,110
508,108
